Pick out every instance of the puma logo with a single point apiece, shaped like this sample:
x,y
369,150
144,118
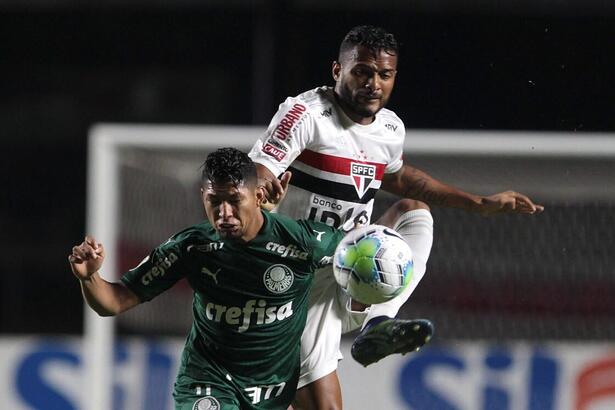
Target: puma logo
x,y
318,234
214,275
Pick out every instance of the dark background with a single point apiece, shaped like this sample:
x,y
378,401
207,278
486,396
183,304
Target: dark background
x,y
65,67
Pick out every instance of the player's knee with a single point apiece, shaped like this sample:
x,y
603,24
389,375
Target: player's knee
x,y
404,205
399,208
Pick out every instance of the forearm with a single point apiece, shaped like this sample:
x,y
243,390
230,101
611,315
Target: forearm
x,y
107,298
416,184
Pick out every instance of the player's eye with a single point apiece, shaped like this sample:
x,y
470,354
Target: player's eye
x,y
361,72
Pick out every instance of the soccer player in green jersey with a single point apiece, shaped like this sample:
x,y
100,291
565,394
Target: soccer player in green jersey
x,y
251,272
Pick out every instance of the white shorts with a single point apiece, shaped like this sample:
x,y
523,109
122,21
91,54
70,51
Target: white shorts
x,y
329,314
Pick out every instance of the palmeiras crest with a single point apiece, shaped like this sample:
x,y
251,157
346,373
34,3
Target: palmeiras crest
x,y
207,403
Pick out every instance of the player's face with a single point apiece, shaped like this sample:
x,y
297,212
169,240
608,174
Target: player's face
x,y
364,81
233,209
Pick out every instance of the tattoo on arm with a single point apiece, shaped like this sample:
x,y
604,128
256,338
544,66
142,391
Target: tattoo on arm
x,y
419,189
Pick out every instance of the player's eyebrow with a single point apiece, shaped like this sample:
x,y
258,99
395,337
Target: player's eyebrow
x,y
232,195
387,71
365,65
374,67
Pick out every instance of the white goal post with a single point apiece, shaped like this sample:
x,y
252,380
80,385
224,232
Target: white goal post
x,y
106,141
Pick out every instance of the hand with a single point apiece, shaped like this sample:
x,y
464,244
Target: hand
x,y
508,202
275,190
87,258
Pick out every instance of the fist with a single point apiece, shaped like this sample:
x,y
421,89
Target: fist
x,y
86,258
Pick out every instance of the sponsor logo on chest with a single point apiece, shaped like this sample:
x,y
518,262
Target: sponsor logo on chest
x,y
253,312
287,251
362,176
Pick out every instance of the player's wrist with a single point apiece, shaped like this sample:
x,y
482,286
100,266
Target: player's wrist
x,y
477,204
90,278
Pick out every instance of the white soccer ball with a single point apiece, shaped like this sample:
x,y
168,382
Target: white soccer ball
x,y
373,264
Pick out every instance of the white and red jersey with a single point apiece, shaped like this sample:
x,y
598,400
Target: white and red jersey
x,y
337,164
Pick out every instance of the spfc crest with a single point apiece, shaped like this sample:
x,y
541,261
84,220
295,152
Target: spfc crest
x,y
362,175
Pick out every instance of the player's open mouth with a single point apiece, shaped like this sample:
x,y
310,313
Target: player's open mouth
x,y
228,227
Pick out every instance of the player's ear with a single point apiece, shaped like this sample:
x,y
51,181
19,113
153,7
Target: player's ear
x,y
335,70
260,195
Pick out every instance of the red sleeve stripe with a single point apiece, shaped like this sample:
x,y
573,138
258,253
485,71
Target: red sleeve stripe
x,y
336,165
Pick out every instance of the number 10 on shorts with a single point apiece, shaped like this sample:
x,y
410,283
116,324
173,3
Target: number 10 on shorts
x,y
256,392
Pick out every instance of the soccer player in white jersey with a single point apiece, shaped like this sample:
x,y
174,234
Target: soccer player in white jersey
x,y
341,145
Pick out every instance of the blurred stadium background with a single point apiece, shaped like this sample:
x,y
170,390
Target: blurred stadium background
x,y
524,307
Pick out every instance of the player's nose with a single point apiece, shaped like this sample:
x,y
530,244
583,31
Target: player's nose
x,y
372,83
225,210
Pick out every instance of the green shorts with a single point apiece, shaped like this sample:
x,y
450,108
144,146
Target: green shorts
x,y
213,391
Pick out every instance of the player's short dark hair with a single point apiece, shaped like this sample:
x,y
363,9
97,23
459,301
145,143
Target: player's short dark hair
x,y
373,38
228,165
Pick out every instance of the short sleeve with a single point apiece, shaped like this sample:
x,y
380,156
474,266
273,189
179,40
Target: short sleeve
x,y
397,151
156,273
323,240
286,137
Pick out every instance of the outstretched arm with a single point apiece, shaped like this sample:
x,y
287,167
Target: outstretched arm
x,y
105,298
410,182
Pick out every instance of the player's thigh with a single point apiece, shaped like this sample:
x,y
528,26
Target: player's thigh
x,y
399,208
320,341
322,394
324,316
322,331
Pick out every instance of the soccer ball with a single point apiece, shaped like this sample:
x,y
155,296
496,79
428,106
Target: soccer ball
x,y
373,264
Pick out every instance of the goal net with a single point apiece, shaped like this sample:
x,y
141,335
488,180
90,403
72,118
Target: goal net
x,y
548,276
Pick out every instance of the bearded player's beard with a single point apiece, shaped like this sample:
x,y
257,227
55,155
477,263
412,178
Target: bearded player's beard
x,y
350,103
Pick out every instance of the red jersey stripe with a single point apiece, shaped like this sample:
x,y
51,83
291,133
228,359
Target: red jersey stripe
x,y
336,165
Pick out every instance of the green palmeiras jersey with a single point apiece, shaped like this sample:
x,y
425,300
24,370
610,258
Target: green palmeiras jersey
x,y
250,299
